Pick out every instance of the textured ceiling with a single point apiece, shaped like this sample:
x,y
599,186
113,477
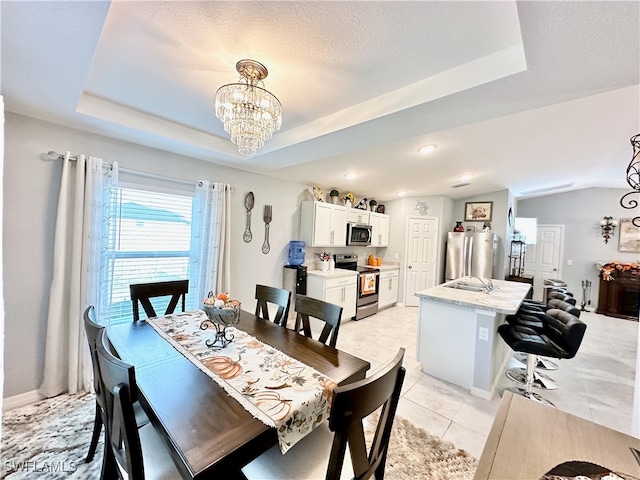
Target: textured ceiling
x,y
524,95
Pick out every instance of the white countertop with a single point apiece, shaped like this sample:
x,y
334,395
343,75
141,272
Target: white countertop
x,y
505,299
335,273
386,267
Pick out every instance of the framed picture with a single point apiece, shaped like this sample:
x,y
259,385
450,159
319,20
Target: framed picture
x,y
629,236
478,211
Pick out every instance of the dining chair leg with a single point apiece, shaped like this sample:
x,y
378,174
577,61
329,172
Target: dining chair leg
x,y
108,471
97,427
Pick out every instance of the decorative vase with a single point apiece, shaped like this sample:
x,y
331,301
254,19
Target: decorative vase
x,y
458,227
324,266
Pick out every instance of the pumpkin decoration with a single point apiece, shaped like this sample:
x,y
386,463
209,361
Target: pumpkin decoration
x,y
328,387
273,405
225,367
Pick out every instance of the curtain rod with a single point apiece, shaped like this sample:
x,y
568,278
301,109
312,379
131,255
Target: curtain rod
x,y
51,155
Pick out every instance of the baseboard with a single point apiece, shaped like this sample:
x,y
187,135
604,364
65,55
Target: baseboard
x,y
21,400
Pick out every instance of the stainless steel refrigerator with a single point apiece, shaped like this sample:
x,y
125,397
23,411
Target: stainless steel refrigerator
x,y
470,254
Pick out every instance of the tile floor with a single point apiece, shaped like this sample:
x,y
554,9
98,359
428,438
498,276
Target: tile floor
x,y
597,384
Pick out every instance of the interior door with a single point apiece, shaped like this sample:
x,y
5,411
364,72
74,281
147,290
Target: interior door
x,y
543,260
422,243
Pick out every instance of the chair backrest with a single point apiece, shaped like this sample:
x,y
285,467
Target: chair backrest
x,y
120,390
329,313
565,306
561,296
143,292
565,330
350,405
93,329
277,296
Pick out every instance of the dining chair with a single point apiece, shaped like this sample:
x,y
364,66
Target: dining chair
x,y
130,453
144,292
278,296
92,329
318,455
329,313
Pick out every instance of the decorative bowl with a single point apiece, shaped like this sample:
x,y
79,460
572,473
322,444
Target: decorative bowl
x,y
223,316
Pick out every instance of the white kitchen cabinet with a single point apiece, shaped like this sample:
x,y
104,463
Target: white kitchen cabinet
x,y
323,224
379,229
356,215
388,292
339,291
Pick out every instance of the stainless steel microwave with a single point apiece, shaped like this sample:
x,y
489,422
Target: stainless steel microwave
x,y
358,234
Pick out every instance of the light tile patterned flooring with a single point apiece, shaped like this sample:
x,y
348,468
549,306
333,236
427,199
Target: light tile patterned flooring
x,y
597,384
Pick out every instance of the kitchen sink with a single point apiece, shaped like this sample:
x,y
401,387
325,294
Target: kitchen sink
x,y
470,287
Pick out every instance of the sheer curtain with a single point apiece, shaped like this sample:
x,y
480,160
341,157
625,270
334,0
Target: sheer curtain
x,y
210,238
77,272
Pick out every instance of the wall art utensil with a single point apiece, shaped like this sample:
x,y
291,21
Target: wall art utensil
x,y
267,221
248,203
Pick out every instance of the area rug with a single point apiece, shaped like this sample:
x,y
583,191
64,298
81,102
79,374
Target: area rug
x,y
49,441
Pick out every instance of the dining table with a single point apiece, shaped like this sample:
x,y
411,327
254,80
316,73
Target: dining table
x,y
530,440
209,433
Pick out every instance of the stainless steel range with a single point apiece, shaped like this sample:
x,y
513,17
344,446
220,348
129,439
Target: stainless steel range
x,y
368,284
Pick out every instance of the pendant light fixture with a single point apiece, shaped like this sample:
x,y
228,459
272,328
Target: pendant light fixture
x,y
249,112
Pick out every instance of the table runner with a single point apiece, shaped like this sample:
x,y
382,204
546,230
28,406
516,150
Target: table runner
x,y
282,392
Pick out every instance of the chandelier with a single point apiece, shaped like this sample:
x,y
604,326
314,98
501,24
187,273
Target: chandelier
x,y
249,112
633,179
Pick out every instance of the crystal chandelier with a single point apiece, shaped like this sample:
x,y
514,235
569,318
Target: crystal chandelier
x,y
250,113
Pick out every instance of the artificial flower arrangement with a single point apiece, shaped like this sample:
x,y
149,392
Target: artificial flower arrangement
x,y
324,256
348,198
608,268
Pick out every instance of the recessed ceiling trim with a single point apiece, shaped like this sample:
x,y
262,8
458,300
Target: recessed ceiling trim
x,y
548,189
480,71
120,115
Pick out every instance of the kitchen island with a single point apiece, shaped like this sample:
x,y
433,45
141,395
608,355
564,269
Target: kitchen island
x,y
457,331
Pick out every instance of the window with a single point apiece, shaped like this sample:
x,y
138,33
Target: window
x,y
149,241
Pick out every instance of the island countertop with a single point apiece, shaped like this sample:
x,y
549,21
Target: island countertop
x,y
505,299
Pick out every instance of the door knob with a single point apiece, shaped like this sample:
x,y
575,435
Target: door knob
x,y
410,266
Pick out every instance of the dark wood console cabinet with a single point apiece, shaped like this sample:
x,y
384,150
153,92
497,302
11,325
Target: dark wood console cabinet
x,y
620,297
524,279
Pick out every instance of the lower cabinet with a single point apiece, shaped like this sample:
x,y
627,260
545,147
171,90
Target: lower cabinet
x,y
388,294
340,291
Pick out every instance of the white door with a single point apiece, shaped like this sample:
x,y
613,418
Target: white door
x,y
422,242
543,260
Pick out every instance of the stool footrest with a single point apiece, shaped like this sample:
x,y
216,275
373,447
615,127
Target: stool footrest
x,y
541,381
530,395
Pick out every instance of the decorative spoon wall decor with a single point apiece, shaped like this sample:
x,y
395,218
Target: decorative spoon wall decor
x,y
248,203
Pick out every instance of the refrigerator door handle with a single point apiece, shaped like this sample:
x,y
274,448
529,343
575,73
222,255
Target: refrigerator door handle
x,y
467,255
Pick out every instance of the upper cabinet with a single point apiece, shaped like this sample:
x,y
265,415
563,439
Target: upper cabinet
x,y
323,224
356,215
380,229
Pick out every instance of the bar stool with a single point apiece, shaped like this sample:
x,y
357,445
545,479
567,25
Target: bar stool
x,y
532,317
561,338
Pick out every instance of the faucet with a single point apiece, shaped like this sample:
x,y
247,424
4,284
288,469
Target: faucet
x,y
488,285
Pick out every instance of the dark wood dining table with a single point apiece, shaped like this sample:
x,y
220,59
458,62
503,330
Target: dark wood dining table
x,y
208,433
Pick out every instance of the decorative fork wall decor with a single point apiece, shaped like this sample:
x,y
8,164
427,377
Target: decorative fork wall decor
x,y
267,221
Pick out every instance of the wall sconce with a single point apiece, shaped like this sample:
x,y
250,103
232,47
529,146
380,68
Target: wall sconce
x,y
608,226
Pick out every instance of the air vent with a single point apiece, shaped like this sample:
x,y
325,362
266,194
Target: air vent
x,y
460,185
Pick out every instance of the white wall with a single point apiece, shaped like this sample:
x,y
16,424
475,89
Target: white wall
x,y
581,211
30,199
502,200
399,210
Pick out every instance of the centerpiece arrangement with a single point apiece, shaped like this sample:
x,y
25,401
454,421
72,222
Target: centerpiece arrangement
x,y
222,312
